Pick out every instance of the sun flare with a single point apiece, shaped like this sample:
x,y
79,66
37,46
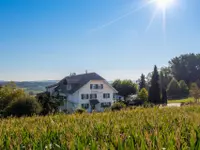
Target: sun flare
x,y
163,4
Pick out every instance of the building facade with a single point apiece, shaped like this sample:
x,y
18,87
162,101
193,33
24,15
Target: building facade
x,y
88,91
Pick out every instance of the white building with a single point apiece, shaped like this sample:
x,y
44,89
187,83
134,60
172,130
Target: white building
x,y
89,91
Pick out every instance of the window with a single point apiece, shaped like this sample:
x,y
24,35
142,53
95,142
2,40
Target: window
x,y
106,95
106,104
84,96
85,106
101,86
93,96
96,86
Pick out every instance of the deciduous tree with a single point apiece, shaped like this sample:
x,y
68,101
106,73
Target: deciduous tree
x,y
125,87
195,92
186,67
173,89
184,89
143,95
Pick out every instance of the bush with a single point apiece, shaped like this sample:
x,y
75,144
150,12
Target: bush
x,y
26,106
148,105
117,106
80,111
190,103
143,95
108,109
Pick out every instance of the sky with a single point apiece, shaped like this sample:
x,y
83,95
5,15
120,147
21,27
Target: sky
x,y
49,39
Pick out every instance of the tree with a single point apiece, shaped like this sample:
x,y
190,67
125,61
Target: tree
x,y
9,93
25,106
125,87
198,83
142,83
143,95
117,85
148,80
164,96
195,91
173,89
161,80
165,77
49,104
184,90
186,67
154,90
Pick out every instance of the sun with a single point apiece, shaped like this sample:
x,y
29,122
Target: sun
x,y
163,4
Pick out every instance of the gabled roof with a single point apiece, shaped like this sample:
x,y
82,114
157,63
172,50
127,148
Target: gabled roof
x,y
76,82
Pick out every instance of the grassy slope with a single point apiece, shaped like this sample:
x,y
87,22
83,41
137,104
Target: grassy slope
x,y
182,100
154,128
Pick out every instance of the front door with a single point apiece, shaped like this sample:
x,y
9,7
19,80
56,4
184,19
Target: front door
x,y
93,104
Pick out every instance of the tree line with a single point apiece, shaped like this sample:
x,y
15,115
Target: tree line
x,y
176,81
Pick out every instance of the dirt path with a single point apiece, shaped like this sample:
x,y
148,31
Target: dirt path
x,y
174,105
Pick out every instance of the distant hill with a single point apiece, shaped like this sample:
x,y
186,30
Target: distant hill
x,y
32,86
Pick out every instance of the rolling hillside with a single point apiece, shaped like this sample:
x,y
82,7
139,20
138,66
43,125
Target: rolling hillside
x,y
32,86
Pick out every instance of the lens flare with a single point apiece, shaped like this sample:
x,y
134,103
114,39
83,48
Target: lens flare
x,y
163,4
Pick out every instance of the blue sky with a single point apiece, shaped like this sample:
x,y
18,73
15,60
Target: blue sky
x,y
48,39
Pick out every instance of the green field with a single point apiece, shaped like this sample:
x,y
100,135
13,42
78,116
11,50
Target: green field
x,y
141,129
182,100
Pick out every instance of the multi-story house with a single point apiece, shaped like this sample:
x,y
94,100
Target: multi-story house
x,y
89,91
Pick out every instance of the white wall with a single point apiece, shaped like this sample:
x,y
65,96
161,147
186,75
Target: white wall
x,y
86,90
75,101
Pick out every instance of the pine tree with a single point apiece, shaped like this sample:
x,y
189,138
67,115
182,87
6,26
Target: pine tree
x,y
164,96
154,91
142,83
161,81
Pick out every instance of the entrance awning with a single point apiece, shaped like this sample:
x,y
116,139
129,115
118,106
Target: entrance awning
x,y
94,102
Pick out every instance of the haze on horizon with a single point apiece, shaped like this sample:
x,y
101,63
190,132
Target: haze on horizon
x,y
47,40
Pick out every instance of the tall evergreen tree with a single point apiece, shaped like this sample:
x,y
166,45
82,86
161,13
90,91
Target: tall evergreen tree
x,y
161,81
164,96
154,91
142,83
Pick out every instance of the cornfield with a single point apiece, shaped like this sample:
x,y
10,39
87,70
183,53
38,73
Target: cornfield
x,y
134,129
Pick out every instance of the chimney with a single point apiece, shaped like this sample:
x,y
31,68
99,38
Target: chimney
x,y
86,71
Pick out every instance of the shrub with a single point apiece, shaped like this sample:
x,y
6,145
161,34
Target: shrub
x,y
143,95
80,111
26,106
108,109
148,105
117,106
